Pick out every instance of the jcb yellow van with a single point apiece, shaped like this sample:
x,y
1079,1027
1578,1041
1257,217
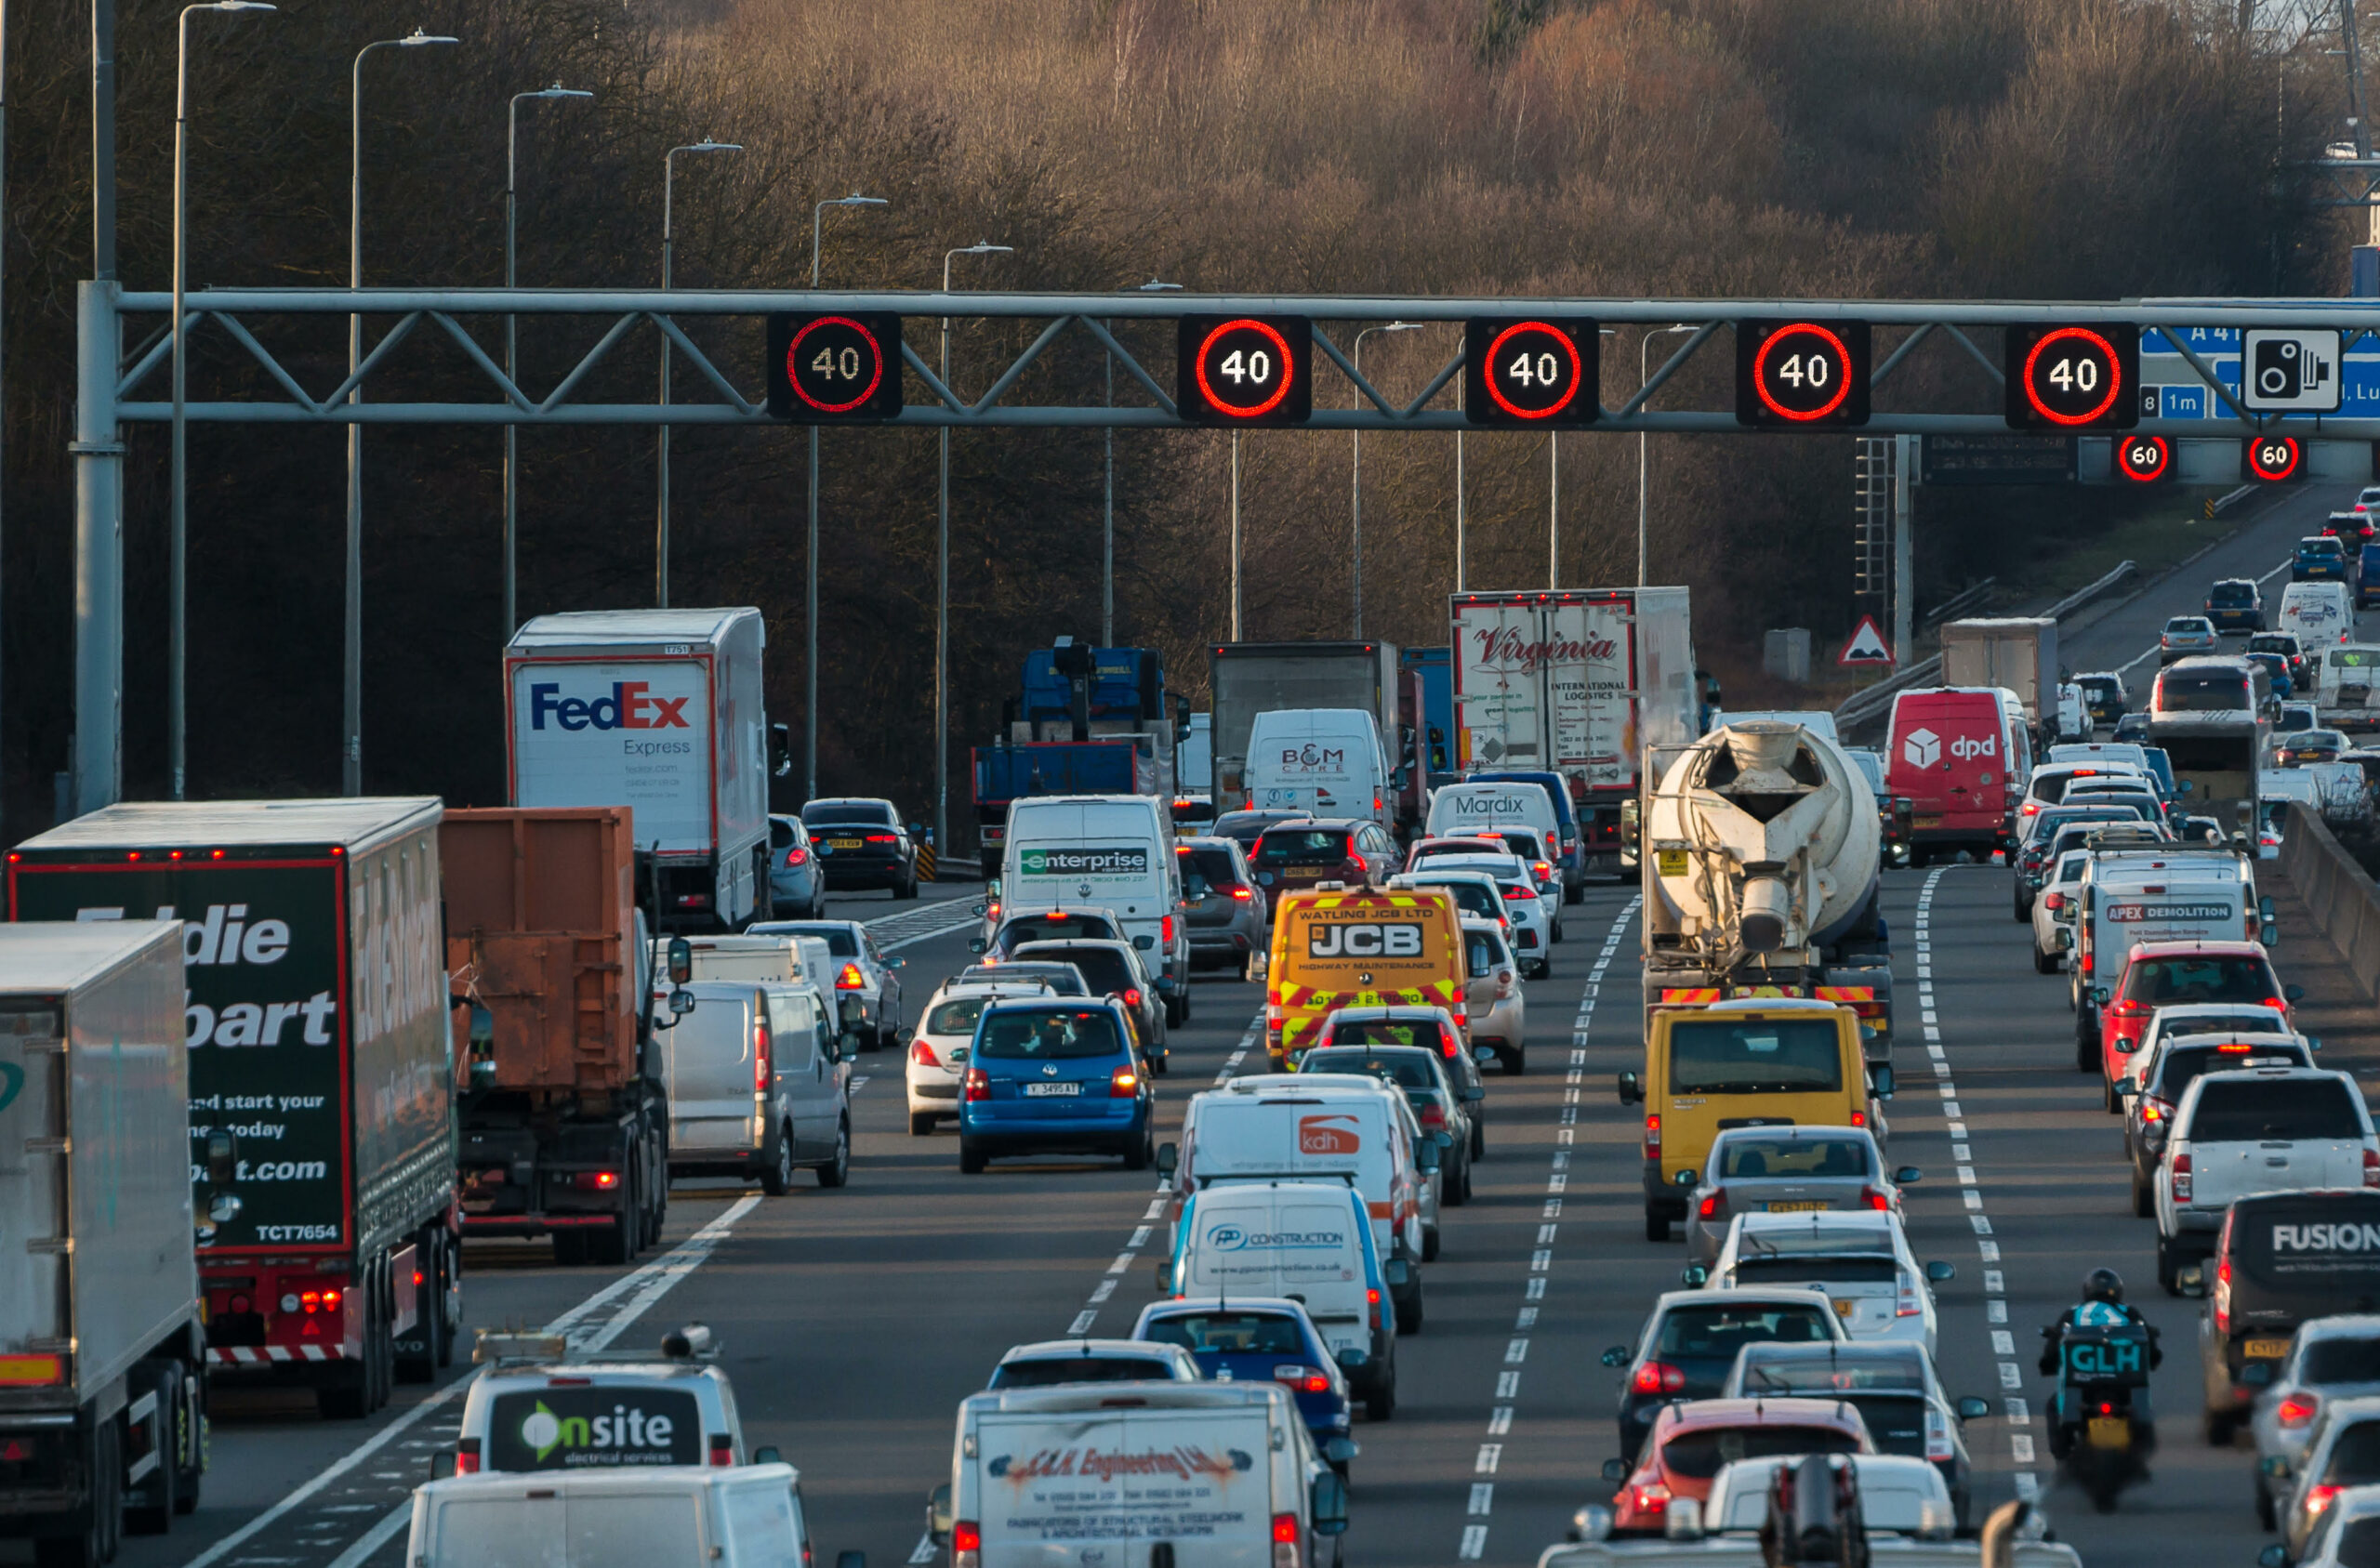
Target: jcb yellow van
x,y
1763,1063
1335,947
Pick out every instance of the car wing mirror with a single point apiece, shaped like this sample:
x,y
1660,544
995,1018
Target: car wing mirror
x,y
1880,1081
938,1520
976,944
1145,943
1168,1160
1694,1276
1940,1273
1974,1409
1615,1470
2274,1556
1397,1271
1615,1356
442,1464
2190,1279
767,1455
2293,993
1632,1090
1907,1175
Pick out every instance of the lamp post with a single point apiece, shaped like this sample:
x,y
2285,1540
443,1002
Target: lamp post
x,y
177,553
941,588
351,704
1107,513
661,505
809,663
1356,484
511,370
1644,441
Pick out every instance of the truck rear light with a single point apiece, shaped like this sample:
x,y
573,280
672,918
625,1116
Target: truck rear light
x,y
723,1449
2182,1180
1658,1377
1653,1137
587,1181
694,900
1123,1083
1285,1541
851,979
979,1083
1165,930
921,1054
23,1371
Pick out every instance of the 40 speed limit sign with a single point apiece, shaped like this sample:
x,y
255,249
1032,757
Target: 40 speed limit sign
x,y
835,368
2075,376
1244,370
1801,374
1525,372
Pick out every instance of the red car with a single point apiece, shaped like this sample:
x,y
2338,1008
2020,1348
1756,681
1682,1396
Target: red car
x,y
1692,1439
1310,850
2165,974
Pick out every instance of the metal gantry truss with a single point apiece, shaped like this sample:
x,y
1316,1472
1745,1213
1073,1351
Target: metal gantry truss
x,y
113,387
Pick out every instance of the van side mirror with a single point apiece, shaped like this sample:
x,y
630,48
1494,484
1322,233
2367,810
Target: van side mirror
x,y
1694,1276
2265,910
2274,1556
1908,1174
2268,933
1398,1273
1168,1160
442,1464
850,1560
780,750
1632,1090
681,1002
1880,1081
1165,1276
1425,1156
1327,1501
767,1455
976,944
938,1519
2293,993
680,960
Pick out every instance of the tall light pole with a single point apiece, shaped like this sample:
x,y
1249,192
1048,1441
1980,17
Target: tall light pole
x,y
352,748
810,665
1644,440
1357,485
661,505
512,370
177,553
1107,511
1234,535
3,248
941,588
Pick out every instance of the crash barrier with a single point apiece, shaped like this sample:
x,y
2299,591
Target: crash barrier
x,y
2345,902
1866,704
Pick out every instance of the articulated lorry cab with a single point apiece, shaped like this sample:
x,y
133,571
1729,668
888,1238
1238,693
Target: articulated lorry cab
x,y
315,1027
102,1347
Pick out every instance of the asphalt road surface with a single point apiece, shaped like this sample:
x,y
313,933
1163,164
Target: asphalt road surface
x,y
855,1321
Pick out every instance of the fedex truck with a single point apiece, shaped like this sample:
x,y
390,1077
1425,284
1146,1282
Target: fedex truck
x,y
1576,682
660,711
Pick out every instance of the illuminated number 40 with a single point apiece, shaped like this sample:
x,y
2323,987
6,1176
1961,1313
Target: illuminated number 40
x,y
1543,370
2073,374
1814,370
1253,365
831,363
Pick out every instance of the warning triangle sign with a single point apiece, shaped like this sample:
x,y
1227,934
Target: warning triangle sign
x,y
1867,645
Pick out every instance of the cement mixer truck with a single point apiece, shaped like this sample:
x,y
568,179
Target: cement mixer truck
x,y
1758,850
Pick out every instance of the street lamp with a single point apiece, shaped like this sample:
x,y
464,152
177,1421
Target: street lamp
x,y
1358,483
1644,439
941,588
810,665
351,705
661,518
177,613
512,373
1107,514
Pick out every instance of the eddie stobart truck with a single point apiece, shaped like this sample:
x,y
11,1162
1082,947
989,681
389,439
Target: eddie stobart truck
x,y
315,1022
102,1347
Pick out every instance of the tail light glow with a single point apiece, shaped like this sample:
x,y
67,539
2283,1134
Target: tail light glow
x,y
921,1054
2298,1409
1874,1199
1715,1206
1653,1137
467,1457
978,1085
2182,1180
1124,1084
966,1545
761,1073
1243,894
2370,1169
589,1182
797,856
851,979
1658,1377
1651,1497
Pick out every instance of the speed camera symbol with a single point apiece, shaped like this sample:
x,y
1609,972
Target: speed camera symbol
x,y
2291,369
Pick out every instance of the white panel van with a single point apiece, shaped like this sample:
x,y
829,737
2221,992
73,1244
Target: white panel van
x,y
1325,761
1105,852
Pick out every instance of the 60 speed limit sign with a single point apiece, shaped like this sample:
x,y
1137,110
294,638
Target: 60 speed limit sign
x,y
835,369
2077,377
1244,370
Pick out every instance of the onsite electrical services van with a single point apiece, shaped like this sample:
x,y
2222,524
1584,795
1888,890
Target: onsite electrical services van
x,y
1114,852
1337,948
1198,1475
1960,755
1327,761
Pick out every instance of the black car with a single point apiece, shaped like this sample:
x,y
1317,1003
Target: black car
x,y
862,844
2104,697
1247,827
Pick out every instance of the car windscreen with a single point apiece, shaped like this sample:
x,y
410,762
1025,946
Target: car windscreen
x,y
1405,1071
2183,1062
2340,1358
1755,1056
956,1017
1862,1268
2199,977
1806,1372
2114,811
1047,1035
1234,1333
2274,1110
1302,846
1246,826
595,1427
2229,594
1382,1032
868,813
1063,979
1753,1158
1046,1373
1043,928
1722,1329
2101,688
1108,972
1472,898
1698,1454
2355,1456
1215,865
841,940
2203,692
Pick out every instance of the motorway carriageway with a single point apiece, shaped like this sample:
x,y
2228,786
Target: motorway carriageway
x,y
854,1322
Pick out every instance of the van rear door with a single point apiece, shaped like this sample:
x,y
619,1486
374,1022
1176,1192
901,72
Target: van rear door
x,y
1065,1488
710,1067
1949,755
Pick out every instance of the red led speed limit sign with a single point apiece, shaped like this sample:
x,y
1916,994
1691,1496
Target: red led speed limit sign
x,y
2074,378
1244,370
2144,459
1801,374
835,369
2271,459
1524,372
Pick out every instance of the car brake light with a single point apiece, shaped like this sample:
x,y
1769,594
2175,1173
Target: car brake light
x,y
883,838
2182,1180
1433,1115
2370,1169
1123,1083
1908,1306
1243,894
1515,893
921,1054
1447,1044
1859,1118
760,1074
1285,1541
1504,982
1132,995
797,856
1651,1497
850,978
1715,1206
979,1085
722,1451
1873,1199
2297,1409
1658,1377
1937,1439
1653,1137
591,1181
2155,1110
966,1545
2054,902
1544,870
1165,930
2318,1499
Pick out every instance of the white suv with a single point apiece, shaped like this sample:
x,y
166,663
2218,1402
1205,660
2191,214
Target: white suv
x,y
2271,1129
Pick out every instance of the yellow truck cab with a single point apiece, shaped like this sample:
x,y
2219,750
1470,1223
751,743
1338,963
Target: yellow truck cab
x,y
1763,1062
1335,946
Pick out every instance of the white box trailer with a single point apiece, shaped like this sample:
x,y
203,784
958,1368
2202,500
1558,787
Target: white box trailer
x,y
661,711
103,1347
1576,682
2017,651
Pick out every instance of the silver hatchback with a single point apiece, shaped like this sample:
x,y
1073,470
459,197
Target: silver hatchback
x,y
1494,1000
2329,1360
1786,1170
1229,923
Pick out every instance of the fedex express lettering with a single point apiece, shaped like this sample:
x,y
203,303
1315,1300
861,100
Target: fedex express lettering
x,y
1369,939
631,706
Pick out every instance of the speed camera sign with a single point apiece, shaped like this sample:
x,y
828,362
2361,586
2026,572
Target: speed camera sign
x,y
2290,368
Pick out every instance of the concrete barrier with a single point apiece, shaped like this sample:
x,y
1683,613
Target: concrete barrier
x,y
2344,901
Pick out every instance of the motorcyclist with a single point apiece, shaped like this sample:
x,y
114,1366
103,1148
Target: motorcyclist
x,y
2102,1306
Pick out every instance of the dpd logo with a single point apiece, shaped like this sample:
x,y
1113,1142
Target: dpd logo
x,y
1923,748
1967,747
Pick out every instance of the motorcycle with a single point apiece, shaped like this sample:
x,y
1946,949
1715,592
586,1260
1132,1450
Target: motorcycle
x,y
2101,1430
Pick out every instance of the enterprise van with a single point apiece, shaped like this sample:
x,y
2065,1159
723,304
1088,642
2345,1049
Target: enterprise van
x,y
1114,852
1309,1239
1325,761
1763,1063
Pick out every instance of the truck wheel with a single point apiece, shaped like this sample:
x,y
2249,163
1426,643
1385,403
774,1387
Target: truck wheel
x,y
776,1172
193,1440
160,1499
2086,1044
837,1171
344,1397
570,1249
416,1360
95,1543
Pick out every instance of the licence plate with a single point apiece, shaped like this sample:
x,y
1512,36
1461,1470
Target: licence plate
x,y
2108,1432
1804,1207
845,844
1928,822
1035,1091
2265,1349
